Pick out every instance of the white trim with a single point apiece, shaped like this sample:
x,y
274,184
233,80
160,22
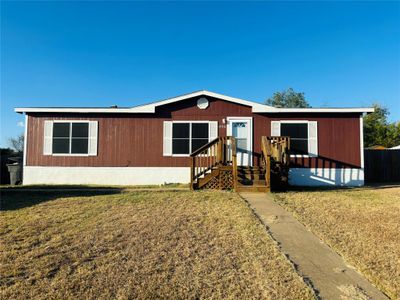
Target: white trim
x,y
70,154
25,141
229,132
72,110
313,141
197,121
70,121
324,110
190,135
151,107
47,137
106,175
362,141
256,107
294,121
326,176
308,136
167,138
70,138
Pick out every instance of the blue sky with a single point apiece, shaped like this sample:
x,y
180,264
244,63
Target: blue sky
x,y
128,53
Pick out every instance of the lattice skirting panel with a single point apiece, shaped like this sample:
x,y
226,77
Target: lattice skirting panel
x,y
223,181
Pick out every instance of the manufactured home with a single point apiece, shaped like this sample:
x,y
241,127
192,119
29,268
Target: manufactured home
x,y
156,143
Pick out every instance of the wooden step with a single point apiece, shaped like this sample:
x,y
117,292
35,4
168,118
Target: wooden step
x,y
253,189
250,171
251,182
249,168
254,176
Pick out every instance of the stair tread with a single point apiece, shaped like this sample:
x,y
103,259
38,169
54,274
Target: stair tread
x,y
250,185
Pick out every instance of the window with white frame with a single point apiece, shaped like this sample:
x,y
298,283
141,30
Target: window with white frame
x,y
188,137
70,138
185,137
303,135
298,133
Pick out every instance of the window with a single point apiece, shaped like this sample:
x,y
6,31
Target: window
x,y
303,135
70,138
298,133
188,137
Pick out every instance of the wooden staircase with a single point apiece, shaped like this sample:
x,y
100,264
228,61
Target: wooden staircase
x,y
252,179
214,166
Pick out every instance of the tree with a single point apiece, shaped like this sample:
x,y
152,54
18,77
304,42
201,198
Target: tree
x,y
6,152
288,98
17,143
377,129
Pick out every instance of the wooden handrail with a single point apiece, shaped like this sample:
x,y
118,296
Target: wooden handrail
x,y
204,147
217,153
280,148
274,148
234,165
266,152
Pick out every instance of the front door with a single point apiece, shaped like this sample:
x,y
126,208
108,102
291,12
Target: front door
x,y
241,129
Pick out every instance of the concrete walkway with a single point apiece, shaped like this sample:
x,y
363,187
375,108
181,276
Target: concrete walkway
x,y
329,274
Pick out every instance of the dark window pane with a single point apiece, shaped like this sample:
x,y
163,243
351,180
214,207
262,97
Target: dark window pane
x,y
61,145
180,146
298,146
197,143
79,146
61,129
80,129
200,130
294,130
180,130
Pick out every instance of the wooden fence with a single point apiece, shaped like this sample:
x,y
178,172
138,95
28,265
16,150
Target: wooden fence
x,y
382,165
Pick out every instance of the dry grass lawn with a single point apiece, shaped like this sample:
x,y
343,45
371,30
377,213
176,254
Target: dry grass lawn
x,y
361,224
143,244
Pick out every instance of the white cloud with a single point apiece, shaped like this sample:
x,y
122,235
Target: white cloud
x,y
20,124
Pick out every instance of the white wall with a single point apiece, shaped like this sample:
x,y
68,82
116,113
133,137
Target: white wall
x,y
162,175
326,177
105,175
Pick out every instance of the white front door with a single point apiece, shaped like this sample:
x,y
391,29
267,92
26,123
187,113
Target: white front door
x,y
241,129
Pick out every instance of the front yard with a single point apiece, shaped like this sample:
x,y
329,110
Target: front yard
x,y
361,224
143,244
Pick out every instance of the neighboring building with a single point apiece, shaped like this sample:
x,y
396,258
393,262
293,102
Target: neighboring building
x,y
150,144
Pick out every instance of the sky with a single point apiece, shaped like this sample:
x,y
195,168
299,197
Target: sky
x,y
340,54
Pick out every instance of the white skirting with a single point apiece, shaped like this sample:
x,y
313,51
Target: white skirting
x,y
106,175
326,177
162,175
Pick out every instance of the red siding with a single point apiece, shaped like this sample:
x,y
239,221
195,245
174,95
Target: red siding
x,y
136,140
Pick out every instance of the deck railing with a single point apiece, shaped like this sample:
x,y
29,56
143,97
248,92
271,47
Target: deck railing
x,y
265,161
280,147
217,153
276,149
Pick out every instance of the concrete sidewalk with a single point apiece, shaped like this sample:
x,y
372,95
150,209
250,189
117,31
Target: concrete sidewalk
x,y
329,274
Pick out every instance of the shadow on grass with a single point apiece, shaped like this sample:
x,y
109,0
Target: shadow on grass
x,y
369,186
17,198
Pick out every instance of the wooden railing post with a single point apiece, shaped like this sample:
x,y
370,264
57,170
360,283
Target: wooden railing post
x,y
219,152
192,172
268,170
234,164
